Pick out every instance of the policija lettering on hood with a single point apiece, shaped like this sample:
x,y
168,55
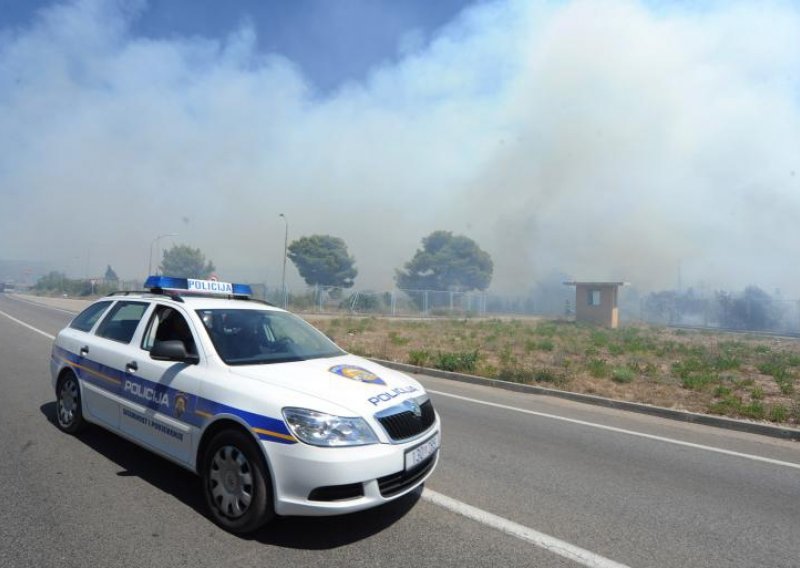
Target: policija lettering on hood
x,y
147,393
387,396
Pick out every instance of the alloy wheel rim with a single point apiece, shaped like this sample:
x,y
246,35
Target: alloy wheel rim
x,y
67,402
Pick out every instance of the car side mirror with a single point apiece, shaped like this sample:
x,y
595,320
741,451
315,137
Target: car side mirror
x,y
172,350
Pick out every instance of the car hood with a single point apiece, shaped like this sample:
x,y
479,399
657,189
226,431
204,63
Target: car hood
x,y
354,383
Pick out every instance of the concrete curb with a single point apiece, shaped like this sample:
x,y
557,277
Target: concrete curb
x,y
680,415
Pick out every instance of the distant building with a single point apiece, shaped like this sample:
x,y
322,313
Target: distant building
x,y
596,302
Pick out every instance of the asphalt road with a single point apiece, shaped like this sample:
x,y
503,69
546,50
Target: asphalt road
x,y
624,488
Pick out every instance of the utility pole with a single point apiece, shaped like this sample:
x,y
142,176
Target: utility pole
x,y
155,241
285,249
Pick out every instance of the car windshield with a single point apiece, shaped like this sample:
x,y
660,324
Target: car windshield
x,y
257,337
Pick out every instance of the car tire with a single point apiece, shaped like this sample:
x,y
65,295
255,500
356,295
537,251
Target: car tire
x,y
69,410
236,484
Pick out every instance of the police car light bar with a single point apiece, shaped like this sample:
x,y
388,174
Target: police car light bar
x,y
192,285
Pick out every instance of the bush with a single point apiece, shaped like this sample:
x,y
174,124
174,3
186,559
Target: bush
x,y
753,410
419,358
545,345
778,413
397,339
699,381
456,361
546,376
622,375
597,368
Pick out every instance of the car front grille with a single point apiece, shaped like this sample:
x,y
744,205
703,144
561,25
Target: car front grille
x,y
398,482
404,424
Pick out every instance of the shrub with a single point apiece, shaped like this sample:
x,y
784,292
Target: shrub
x,y
546,329
726,362
616,349
753,410
546,376
722,391
599,338
597,368
456,361
623,375
419,358
397,339
729,405
516,375
545,345
778,413
698,381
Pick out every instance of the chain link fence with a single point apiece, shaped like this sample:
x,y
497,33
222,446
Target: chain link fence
x,y
747,311
750,310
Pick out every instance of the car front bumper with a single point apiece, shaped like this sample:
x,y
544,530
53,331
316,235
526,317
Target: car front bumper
x,y
345,480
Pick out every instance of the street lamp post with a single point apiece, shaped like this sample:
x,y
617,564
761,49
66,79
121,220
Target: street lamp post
x,y
155,241
285,248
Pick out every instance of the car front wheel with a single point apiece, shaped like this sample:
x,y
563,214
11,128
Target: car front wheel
x,y
235,483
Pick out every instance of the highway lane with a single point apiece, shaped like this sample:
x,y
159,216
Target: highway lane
x,y
635,500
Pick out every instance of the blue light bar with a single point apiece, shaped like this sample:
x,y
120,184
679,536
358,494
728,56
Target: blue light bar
x,y
192,285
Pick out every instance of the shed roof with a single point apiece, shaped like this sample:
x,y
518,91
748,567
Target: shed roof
x,y
594,283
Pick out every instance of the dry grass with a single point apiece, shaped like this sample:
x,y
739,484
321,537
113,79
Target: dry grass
x,y
734,375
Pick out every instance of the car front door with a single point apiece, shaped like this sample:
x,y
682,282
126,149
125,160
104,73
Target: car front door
x,y
160,408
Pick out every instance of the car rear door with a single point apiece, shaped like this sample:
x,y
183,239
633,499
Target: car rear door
x,y
106,359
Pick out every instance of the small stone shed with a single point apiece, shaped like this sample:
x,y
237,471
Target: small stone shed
x,y
596,302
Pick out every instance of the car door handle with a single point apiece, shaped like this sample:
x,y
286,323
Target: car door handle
x,y
131,367
84,350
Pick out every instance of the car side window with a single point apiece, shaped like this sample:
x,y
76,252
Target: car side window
x,y
121,322
85,320
167,324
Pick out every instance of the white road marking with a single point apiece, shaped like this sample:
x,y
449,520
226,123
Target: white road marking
x,y
22,323
622,431
41,305
547,542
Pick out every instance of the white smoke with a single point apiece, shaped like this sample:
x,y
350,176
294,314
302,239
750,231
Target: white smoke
x,y
606,139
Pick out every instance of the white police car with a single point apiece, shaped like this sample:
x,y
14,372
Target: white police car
x,y
274,417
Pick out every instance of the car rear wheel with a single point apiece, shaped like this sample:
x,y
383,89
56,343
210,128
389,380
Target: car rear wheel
x,y
235,482
69,414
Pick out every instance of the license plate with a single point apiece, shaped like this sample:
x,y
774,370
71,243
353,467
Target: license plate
x,y
423,451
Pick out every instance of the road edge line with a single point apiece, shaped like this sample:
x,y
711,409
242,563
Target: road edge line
x,y
22,323
549,543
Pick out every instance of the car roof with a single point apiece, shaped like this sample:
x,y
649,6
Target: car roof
x,y
195,301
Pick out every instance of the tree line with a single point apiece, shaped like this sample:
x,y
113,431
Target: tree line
x,y
444,262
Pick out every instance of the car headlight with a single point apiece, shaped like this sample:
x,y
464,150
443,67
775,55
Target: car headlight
x,y
320,429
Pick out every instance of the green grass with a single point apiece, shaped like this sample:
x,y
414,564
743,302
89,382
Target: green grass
x,y
597,368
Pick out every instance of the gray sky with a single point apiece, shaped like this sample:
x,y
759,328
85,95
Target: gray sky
x,y
606,139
